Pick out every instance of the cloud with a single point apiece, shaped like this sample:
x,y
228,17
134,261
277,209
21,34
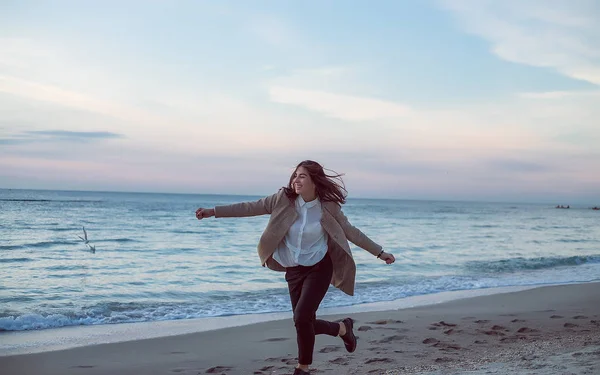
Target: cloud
x,y
66,134
514,165
58,135
344,107
546,95
563,35
67,98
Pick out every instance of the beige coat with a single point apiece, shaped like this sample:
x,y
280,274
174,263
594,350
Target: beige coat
x,y
283,214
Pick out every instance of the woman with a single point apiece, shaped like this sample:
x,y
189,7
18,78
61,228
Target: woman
x,y
307,238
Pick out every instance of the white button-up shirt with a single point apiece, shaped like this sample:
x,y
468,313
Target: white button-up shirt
x,y
305,243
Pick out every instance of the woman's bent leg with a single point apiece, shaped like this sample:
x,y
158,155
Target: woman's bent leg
x,y
308,286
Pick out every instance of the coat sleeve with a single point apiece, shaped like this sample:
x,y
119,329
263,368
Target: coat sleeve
x,y
357,237
262,206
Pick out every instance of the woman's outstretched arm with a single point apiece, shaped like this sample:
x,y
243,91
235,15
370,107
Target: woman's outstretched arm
x,y
354,235
262,206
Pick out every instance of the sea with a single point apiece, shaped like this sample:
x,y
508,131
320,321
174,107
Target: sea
x,y
154,261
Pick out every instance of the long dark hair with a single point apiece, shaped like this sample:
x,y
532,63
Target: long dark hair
x,y
329,188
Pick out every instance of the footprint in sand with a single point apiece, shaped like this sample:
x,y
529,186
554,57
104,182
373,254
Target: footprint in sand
x,y
499,328
511,339
570,325
450,331
443,324
443,360
556,317
83,366
364,328
378,360
386,321
480,342
218,369
276,339
527,330
517,321
329,349
580,317
439,325
494,333
430,340
285,360
444,346
339,361
529,357
388,339
482,321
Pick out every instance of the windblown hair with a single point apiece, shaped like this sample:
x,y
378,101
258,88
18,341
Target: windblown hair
x,y
329,188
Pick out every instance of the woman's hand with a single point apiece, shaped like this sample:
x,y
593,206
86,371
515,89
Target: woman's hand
x,y
388,258
201,213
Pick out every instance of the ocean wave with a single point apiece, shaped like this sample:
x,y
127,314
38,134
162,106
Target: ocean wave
x,y
449,210
46,244
65,268
524,264
42,244
49,200
203,305
15,260
484,226
120,240
10,247
25,200
131,312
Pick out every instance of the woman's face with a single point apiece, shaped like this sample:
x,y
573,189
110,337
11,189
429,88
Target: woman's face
x,y
303,184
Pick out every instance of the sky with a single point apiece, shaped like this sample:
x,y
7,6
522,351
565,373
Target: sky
x,y
449,99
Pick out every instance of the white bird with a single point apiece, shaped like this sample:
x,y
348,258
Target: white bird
x,y
86,241
84,238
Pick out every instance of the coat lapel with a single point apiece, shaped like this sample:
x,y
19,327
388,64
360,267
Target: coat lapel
x,y
332,228
290,216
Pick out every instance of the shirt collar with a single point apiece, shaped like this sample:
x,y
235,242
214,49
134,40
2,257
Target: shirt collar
x,y
310,204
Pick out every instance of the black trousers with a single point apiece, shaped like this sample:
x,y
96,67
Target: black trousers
x,y
307,286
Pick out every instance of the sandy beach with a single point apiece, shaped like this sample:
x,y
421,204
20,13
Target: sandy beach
x,y
546,330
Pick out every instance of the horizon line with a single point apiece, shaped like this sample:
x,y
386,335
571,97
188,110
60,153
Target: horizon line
x,y
264,195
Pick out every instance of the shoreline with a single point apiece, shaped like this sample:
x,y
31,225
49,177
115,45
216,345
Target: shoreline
x,y
552,329
69,337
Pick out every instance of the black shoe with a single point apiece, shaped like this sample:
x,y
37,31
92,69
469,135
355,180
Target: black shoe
x,y
349,338
300,372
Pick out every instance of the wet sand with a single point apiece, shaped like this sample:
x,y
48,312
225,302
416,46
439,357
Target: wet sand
x,y
546,330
